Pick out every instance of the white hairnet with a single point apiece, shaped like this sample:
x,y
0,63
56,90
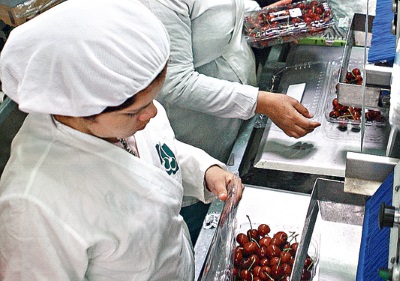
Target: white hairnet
x,y
82,56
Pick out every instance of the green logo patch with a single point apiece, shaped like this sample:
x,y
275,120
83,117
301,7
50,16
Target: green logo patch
x,y
167,159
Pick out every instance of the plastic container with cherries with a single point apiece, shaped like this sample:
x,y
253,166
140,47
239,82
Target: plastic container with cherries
x,y
275,25
267,252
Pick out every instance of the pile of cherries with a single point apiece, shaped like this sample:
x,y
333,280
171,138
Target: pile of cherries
x,y
351,113
259,255
287,22
344,112
353,77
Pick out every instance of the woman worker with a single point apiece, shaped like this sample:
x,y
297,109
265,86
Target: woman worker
x,y
211,82
94,183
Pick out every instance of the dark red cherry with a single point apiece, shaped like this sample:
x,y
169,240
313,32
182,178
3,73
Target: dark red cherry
x,y
245,274
263,229
308,263
253,234
287,269
305,274
242,239
356,71
262,251
285,256
250,247
265,273
265,241
273,251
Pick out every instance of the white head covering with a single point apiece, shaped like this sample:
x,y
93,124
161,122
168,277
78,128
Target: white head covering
x,y
82,56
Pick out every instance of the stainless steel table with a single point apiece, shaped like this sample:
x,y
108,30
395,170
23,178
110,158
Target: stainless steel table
x,y
323,151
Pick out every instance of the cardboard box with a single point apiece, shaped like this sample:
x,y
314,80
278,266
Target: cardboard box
x,y
24,10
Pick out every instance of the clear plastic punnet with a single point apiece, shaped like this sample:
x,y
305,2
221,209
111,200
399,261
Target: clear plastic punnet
x,y
275,25
221,262
345,114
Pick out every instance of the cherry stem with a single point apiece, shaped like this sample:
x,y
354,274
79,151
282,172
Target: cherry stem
x,y
311,264
351,113
251,265
266,273
254,240
251,227
294,236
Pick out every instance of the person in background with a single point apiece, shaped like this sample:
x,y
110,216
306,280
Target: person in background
x,y
211,82
95,180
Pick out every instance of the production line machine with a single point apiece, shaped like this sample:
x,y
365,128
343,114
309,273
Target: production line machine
x,y
389,210
342,179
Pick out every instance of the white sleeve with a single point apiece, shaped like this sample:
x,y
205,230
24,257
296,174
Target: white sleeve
x,y
194,162
34,244
189,89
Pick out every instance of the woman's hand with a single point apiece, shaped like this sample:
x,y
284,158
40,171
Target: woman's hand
x,y
287,113
218,180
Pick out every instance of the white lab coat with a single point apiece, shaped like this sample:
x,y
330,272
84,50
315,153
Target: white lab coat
x,y
75,207
207,52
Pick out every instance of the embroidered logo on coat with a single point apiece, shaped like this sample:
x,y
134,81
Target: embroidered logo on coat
x,y
167,159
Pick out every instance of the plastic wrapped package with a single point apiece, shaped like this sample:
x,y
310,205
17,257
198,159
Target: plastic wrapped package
x,y
17,12
270,26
